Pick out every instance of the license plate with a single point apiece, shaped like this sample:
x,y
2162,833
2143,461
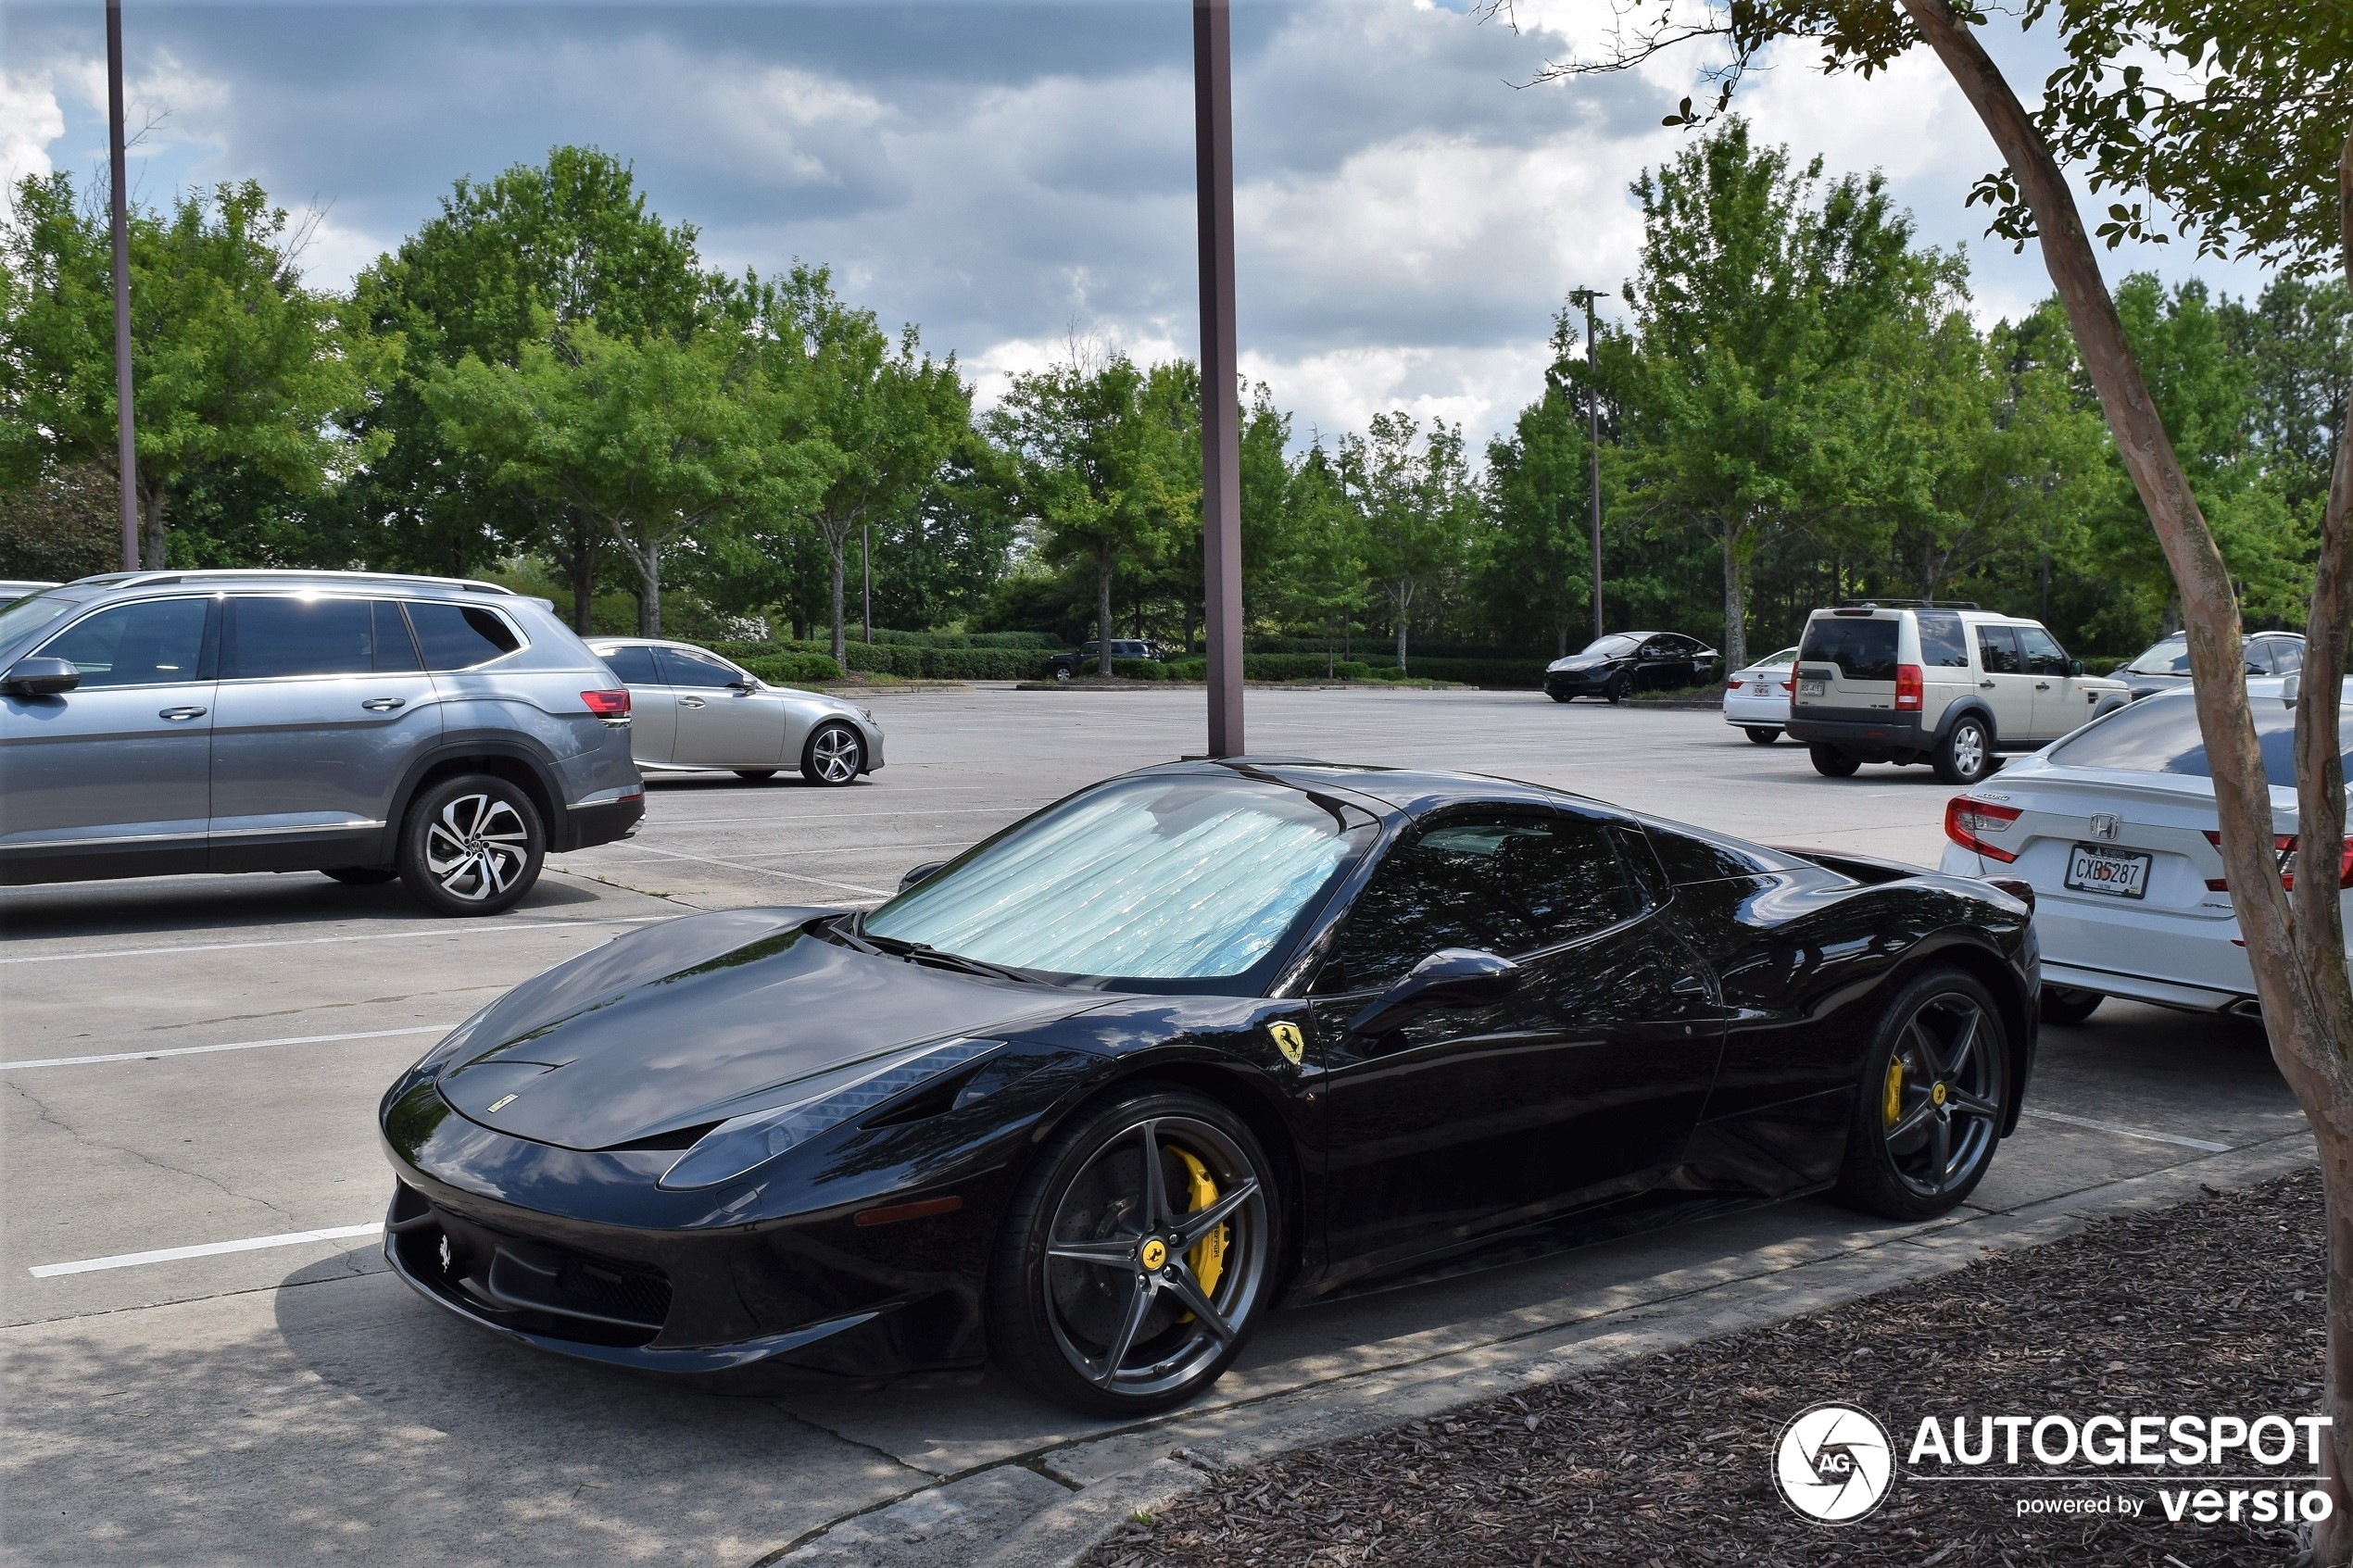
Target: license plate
x,y
2117,873
1812,689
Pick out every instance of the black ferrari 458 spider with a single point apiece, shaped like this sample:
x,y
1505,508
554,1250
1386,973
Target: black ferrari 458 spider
x,y
1093,1097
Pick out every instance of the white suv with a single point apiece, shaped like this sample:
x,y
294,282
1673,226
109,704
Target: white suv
x,y
1950,685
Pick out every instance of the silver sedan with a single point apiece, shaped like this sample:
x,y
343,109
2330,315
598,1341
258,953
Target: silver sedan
x,y
692,710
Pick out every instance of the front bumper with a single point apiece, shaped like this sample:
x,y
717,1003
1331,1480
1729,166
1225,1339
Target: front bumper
x,y
1578,682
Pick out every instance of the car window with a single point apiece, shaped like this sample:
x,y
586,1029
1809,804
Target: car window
x,y
2257,658
2043,654
633,666
1506,883
2160,734
155,642
1774,661
2287,656
1688,857
1863,649
2170,656
275,635
1618,645
457,636
395,650
1943,644
32,613
683,667
1997,651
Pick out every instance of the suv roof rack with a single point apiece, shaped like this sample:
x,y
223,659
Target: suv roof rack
x,y
276,574
1910,604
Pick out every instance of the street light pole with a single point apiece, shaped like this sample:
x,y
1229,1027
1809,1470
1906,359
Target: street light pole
x,y
1221,491
126,446
1593,446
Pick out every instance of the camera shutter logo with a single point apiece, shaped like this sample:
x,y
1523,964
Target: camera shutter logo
x,y
1833,1464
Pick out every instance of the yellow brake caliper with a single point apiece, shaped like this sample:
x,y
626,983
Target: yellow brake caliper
x,y
1207,1259
1895,1104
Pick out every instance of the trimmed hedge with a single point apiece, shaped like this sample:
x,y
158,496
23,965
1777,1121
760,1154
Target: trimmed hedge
x,y
908,660
1275,667
1045,641
792,669
1505,673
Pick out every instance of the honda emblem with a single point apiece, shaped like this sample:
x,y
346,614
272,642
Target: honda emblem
x,y
2103,825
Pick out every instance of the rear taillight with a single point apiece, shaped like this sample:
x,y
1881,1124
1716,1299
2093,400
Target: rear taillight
x,y
1733,684
1911,687
2284,847
1967,820
613,704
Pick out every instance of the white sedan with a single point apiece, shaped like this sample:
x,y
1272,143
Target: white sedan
x,y
1757,698
692,710
2115,829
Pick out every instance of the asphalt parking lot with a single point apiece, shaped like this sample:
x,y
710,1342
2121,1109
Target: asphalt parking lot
x,y
194,1061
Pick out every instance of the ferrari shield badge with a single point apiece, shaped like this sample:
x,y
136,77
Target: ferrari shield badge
x,y
1289,1041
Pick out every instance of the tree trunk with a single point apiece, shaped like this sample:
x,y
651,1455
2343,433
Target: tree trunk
x,y
1404,599
2299,963
649,596
153,497
834,551
1102,614
866,581
1735,605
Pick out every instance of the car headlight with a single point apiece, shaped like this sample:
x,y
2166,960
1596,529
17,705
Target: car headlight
x,y
737,1144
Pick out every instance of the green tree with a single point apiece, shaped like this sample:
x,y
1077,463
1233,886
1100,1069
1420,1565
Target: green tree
x,y
66,524
1538,576
1418,508
541,247
234,361
1320,579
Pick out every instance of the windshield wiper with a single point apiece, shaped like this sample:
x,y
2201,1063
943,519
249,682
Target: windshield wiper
x,y
925,953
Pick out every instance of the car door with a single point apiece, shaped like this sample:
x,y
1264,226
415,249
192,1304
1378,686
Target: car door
x,y
653,708
719,724
322,703
2003,682
114,775
2058,694
1582,1084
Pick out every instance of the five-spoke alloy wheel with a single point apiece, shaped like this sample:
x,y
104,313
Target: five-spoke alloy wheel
x,y
1137,1257
471,846
1934,1096
835,755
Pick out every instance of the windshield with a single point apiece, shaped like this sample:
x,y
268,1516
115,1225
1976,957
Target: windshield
x,y
1615,644
32,612
1184,878
2170,656
2160,734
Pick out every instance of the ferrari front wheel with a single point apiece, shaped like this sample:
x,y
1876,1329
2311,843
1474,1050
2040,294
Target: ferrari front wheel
x,y
1137,1256
1934,1095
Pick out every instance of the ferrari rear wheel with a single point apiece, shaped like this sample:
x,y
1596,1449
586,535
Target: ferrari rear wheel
x,y
1934,1094
1137,1256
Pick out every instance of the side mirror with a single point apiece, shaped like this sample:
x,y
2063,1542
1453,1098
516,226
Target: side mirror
x,y
1452,978
2075,667
745,684
2289,689
924,872
40,677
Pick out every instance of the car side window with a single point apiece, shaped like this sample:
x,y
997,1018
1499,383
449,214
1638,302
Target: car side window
x,y
1997,651
632,665
157,641
2287,657
276,637
2043,654
455,636
1943,643
1507,883
681,667
395,650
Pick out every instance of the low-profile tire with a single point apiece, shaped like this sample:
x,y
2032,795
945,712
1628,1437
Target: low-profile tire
x,y
1615,693
2066,1006
1934,1093
361,876
1833,763
834,755
1761,735
757,775
1097,1291
471,846
1964,754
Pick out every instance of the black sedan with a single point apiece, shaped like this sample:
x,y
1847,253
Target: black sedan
x,y
1611,667
2166,666
1192,1042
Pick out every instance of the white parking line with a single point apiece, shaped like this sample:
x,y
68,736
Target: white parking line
x,y
483,929
2125,1132
211,1249
232,1045
759,871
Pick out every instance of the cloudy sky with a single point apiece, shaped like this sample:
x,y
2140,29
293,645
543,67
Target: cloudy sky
x,y
1005,174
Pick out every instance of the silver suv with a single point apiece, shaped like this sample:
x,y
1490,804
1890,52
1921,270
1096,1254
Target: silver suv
x,y
367,726
1951,685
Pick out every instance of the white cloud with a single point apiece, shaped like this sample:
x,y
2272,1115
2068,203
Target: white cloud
x,y
31,120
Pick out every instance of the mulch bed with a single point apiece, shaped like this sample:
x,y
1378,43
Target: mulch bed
x,y
2211,1308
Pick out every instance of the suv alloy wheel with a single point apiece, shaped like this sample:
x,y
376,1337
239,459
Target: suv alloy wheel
x,y
1966,754
471,846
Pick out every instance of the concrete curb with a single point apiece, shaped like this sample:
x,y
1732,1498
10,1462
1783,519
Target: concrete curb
x,y
1048,1508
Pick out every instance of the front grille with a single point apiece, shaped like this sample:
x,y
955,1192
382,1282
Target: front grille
x,y
528,1284
638,1296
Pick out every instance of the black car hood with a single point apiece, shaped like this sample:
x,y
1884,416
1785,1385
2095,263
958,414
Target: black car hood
x,y
699,1018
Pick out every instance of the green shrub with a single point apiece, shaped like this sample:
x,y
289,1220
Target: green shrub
x,y
1140,668
1195,669
792,669
1511,674
2104,665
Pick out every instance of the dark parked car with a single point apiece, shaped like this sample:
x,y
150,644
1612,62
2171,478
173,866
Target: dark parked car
x,y
1095,1095
2166,666
449,734
1064,666
1630,662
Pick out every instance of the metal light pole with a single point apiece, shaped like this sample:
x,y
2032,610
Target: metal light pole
x,y
1221,487
126,446
1594,446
